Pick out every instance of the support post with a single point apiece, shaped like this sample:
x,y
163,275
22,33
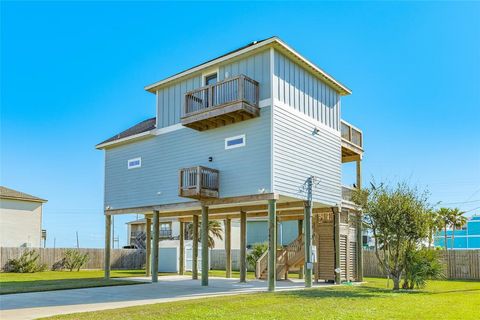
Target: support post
x,y
204,245
243,246
181,261
300,231
359,247
228,247
155,240
148,247
359,174
108,236
336,216
195,248
308,243
272,244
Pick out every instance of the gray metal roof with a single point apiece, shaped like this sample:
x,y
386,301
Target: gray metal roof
x,y
6,193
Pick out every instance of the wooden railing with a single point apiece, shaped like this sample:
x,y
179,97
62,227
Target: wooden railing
x,y
286,257
347,193
351,134
236,89
262,264
198,182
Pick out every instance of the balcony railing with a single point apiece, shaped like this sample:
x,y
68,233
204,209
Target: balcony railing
x,y
198,182
352,134
228,101
347,193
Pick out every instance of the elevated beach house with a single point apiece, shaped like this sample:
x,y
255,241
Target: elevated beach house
x,y
256,132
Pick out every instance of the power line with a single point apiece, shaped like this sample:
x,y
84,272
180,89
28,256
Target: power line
x,y
451,203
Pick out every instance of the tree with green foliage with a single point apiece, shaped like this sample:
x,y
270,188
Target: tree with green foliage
x,y
434,225
458,221
445,218
214,231
421,264
397,217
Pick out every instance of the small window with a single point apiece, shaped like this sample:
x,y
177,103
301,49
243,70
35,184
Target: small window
x,y
211,79
235,142
134,163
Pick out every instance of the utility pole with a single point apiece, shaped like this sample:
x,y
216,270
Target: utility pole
x,y
308,233
78,245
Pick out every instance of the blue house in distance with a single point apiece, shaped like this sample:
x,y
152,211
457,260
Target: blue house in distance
x,y
466,238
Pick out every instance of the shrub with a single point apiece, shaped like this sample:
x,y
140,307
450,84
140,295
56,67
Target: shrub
x,y
27,263
74,259
258,249
421,265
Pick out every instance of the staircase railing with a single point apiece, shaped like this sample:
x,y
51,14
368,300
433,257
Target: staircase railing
x,y
262,264
286,257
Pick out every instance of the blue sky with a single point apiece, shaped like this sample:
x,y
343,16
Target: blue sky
x,y
72,75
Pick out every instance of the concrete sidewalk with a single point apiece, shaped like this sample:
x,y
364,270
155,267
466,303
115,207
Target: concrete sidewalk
x,y
169,288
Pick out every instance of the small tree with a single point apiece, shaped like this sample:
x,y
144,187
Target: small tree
x,y
445,218
214,231
434,225
421,265
27,263
74,259
258,249
397,218
457,220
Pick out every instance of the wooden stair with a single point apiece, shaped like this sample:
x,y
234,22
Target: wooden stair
x,y
288,258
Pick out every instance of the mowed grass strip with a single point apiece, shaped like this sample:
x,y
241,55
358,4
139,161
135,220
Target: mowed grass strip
x,y
58,280
440,300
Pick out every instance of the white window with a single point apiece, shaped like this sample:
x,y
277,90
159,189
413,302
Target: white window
x,y
235,142
134,163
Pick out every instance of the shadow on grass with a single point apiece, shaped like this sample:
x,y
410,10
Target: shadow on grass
x,y
363,292
10,287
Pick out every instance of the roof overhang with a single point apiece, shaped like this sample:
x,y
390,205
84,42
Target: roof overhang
x,y
274,42
24,199
134,137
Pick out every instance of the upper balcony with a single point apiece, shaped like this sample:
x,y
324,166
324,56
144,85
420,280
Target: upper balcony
x,y
225,102
198,183
352,142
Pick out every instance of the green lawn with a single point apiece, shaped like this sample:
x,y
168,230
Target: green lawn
x,y
57,280
440,300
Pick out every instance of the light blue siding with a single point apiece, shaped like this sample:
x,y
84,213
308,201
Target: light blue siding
x,y
170,99
243,171
299,89
298,154
257,232
256,67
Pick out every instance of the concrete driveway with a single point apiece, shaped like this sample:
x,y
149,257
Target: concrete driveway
x,y
168,288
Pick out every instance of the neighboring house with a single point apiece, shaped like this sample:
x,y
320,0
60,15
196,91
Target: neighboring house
x,y
254,133
467,237
257,232
20,219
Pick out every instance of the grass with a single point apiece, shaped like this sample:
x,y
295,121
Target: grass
x,y
58,280
439,300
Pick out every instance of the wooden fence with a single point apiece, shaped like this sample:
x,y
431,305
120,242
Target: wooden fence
x,y
120,258
458,264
